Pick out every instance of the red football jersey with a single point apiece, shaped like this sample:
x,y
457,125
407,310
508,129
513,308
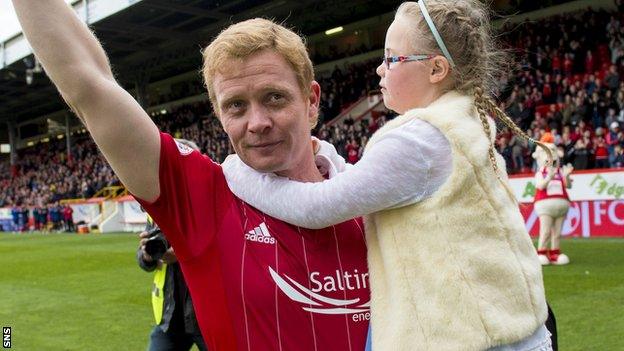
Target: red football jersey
x,y
258,283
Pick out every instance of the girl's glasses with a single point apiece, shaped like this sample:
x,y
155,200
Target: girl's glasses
x,y
387,60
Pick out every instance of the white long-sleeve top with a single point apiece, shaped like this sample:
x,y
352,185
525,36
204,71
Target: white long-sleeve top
x,y
405,166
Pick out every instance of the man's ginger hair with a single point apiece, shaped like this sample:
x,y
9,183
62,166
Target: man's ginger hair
x,y
243,39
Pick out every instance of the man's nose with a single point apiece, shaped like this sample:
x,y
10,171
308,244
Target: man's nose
x,y
259,120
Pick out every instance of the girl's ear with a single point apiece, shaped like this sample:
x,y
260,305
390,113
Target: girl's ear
x,y
440,69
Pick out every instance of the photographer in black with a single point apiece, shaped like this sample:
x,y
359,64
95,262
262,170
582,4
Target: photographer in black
x,y
176,326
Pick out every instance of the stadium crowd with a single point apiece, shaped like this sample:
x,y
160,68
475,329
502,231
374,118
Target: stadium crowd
x,y
568,80
45,174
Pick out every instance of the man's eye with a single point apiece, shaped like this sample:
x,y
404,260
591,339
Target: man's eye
x,y
276,97
235,106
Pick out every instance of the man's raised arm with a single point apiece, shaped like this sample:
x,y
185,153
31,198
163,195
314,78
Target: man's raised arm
x,y
75,61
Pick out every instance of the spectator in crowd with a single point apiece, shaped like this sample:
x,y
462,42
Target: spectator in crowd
x,y
518,153
353,151
618,159
601,153
506,151
580,155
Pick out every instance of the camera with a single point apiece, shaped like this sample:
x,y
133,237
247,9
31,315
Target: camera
x,y
156,244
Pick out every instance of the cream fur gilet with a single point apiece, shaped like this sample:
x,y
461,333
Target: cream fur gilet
x,y
458,270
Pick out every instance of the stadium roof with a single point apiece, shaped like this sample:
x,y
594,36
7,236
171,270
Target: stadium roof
x,y
157,39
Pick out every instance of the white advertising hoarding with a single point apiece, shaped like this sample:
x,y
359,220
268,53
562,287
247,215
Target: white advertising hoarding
x,y
601,185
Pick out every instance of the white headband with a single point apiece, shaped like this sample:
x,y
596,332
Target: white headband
x,y
436,35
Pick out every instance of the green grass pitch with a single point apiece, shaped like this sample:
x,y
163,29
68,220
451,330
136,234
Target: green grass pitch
x,y
86,292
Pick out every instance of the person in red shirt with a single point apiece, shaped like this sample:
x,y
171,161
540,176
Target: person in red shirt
x,y
353,154
257,283
567,65
601,152
556,63
68,218
589,62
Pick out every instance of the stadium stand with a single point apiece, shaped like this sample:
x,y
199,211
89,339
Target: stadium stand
x,y
45,175
568,80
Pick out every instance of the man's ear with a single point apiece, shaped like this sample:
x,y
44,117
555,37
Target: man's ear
x,y
440,69
314,99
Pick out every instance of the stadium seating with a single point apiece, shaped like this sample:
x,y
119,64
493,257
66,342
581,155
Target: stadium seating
x,y
581,99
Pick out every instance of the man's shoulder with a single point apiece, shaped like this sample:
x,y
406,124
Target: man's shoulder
x,y
172,147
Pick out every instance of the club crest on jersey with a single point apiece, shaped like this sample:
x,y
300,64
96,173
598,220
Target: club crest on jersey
x,y
260,234
183,149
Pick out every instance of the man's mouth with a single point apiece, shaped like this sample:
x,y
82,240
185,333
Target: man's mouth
x,y
264,145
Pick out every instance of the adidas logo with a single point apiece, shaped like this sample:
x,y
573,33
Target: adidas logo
x,y
260,234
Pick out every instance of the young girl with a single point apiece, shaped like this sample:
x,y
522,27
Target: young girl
x,y
451,264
